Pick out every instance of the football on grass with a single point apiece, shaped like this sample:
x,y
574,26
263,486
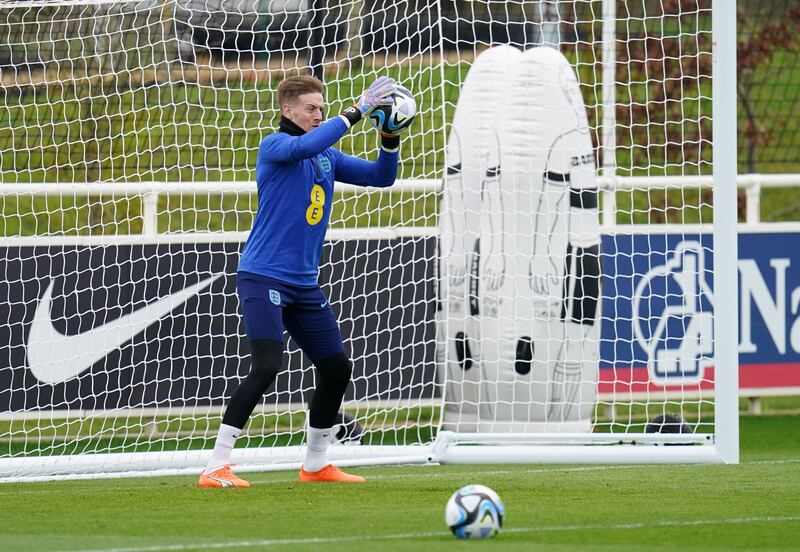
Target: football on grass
x,y
474,512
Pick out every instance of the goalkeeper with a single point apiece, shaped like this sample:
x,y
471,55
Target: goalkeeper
x,y
277,276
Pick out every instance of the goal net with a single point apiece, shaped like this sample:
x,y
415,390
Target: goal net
x,y
537,282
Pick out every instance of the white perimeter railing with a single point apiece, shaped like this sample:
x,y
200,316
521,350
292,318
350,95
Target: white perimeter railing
x,y
753,184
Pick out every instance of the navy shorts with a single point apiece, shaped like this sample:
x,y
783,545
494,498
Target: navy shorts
x,y
270,306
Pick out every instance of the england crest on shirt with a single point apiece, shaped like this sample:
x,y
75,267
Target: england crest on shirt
x,y
325,163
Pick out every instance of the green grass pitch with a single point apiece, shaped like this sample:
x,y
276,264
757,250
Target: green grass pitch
x,y
751,506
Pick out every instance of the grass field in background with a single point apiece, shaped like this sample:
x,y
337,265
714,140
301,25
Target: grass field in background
x,y
751,506
91,434
185,132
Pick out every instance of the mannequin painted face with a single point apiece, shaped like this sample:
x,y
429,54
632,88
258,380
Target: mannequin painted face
x,y
305,111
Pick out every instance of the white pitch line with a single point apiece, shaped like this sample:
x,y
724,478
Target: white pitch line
x,y
483,473
415,476
785,461
486,473
401,536
376,477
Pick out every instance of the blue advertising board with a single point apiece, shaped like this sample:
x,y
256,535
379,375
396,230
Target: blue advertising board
x,y
658,303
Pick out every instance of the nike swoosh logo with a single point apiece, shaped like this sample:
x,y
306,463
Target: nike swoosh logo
x,y
223,482
54,357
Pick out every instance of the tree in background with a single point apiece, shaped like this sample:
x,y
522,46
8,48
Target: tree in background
x,y
768,86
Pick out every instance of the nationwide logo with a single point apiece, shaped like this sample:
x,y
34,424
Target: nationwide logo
x,y
673,317
54,357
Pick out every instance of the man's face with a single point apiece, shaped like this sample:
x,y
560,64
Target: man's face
x,y
305,111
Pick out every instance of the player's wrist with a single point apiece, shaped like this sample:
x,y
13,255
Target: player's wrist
x,y
351,115
390,142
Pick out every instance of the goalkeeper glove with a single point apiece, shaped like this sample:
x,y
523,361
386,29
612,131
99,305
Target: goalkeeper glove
x,y
378,93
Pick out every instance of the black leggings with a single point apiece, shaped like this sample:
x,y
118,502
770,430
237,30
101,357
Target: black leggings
x,y
334,374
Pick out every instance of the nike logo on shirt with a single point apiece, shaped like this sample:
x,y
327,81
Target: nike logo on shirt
x,y
54,357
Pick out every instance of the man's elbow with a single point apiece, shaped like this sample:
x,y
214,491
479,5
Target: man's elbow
x,y
386,181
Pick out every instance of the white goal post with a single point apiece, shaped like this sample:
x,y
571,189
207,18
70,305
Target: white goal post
x,y
546,258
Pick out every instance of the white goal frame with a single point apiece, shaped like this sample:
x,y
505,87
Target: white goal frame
x,y
726,332
456,448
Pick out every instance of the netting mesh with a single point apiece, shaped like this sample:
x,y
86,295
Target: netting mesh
x,y
181,92
144,118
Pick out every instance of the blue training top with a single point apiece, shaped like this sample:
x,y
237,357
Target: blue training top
x,y
295,176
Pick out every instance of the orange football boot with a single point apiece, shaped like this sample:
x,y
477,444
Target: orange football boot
x,y
330,474
221,479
